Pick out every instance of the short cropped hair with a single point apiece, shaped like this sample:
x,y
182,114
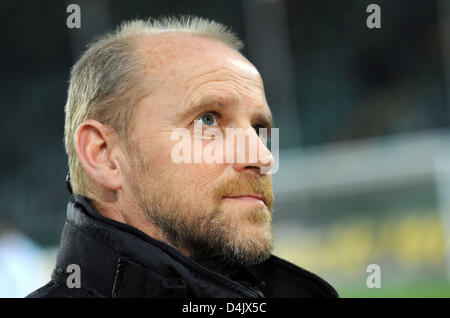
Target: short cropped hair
x,y
104,82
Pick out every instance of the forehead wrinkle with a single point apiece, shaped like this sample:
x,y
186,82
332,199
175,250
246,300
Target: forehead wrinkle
x,y
201,93
227,97
188,69
212,99
172,51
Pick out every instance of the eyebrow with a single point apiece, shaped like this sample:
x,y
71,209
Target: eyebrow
x,y
264,120
216,102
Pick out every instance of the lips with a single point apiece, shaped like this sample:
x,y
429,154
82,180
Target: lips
x,y
249,195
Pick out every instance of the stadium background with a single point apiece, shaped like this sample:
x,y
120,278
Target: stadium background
x,y
364,118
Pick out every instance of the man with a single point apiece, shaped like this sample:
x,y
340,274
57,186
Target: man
x,y
143,224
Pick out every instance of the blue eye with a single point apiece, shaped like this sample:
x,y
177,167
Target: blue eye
x,y
208,119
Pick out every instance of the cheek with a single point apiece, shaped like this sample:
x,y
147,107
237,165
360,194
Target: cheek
x,y
157,152
188,179
200,176
193,178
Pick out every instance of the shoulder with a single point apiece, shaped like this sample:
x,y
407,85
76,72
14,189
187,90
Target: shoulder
x,y
56,290
284,279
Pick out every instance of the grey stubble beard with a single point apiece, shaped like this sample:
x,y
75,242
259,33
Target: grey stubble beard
x,y
209,237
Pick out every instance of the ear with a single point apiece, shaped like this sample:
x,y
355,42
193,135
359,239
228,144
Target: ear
x,y
94,143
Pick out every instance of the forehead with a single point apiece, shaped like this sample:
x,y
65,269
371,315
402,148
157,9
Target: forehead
x,y
178,56
167,47
186,67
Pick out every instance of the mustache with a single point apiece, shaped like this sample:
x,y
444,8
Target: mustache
x,y
261,185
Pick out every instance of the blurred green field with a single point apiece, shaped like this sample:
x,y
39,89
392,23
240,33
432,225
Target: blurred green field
x,y
414,290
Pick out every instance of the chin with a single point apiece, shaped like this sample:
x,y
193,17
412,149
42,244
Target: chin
x,y
253,239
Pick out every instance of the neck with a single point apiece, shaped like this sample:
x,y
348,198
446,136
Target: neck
x,y
131,215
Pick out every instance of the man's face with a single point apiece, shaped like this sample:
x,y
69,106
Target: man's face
x,y
205,209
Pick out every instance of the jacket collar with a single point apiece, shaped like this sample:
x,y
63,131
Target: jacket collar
x,y
118,260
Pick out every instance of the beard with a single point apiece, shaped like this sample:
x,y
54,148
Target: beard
x,y
223,239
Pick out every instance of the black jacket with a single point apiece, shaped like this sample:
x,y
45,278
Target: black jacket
x,y
118,260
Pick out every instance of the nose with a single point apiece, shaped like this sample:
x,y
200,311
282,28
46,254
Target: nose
x,y
251,153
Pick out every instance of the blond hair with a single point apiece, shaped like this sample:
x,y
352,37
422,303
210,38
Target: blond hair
x,y
104,83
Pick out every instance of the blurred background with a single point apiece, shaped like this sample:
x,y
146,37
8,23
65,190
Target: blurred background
x,y
364,118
